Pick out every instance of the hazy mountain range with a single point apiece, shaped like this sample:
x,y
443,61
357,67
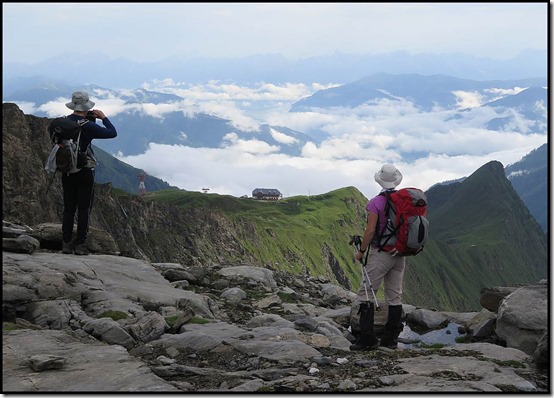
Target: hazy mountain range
x,y
427,92
338,68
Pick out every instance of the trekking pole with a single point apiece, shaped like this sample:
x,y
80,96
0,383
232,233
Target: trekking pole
x,y
371,287
357,241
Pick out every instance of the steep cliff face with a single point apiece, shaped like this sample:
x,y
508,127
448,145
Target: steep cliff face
x,y
25,148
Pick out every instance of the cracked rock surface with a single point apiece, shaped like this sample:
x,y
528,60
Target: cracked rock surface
x,y
104,323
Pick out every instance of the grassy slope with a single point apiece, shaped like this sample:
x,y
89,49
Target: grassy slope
x,y
291,233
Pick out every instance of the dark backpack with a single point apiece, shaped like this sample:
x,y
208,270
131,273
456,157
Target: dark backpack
x,y
66,155
407,227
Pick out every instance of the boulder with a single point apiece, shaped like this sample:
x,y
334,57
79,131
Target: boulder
x,y
491,297
523,317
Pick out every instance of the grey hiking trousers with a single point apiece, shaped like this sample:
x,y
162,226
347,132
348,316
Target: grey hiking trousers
x,y
389,270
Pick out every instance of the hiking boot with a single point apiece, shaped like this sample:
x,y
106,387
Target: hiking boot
x,y
367,340
393,327
81,249
389,342
67,247
365,343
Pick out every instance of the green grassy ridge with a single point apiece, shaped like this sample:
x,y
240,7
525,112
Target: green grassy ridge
x,y
489,205
432,279
486,210
291,233
475,200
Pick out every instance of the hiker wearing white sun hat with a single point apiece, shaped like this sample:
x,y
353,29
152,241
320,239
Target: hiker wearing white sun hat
x,y
78,188
380,266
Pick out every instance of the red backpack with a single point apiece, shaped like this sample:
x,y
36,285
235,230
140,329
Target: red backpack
x,y
407,227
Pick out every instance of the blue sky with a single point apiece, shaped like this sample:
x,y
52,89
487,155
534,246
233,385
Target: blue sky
x,y
152,31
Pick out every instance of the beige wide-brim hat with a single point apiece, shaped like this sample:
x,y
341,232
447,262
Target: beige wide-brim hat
x,y
388,177
80,102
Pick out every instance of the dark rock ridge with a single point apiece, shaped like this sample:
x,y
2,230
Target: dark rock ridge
x,y
109,323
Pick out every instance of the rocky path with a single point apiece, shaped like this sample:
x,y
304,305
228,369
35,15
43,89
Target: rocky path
x,y
103,323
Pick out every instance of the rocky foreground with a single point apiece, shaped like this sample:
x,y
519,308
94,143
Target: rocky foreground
x,y
107,323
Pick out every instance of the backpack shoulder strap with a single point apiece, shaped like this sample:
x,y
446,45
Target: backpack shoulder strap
x,y
387,194
381,233
81,123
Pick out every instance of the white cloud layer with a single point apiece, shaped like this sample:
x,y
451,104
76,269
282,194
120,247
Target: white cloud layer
x,y
428,147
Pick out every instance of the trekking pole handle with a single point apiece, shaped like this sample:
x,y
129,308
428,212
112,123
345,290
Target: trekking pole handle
x,y
356,240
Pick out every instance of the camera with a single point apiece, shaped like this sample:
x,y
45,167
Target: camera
x,y
91,116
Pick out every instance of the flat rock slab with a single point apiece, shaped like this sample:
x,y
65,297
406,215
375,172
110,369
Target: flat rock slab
x,y
89,367
435,373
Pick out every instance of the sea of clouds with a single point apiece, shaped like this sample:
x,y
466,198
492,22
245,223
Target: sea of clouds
x,y
349,146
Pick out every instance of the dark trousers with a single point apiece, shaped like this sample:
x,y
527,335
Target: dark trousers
x,y
78,195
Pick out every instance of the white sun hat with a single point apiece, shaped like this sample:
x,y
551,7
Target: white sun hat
x,y
80,102
388,177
